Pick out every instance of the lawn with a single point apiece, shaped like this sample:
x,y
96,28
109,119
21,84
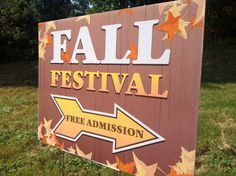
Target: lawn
x,y
22,154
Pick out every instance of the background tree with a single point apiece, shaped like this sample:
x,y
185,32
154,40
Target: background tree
x,y
19,18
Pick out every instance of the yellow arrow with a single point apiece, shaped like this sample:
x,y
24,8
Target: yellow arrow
x,y
121,128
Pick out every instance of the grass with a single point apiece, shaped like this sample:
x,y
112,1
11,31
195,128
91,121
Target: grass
x,y
22,154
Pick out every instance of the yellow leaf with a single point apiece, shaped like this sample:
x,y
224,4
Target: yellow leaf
x,y
49,25
47,126
81,153
52,140
40,134
85,17
182,25
176,8
200,10
186,165
143,169
71,150
114,165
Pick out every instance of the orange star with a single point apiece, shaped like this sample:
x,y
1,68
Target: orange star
x,y
127,10
171,26
49,40
195,25
134,52
125,167
65,56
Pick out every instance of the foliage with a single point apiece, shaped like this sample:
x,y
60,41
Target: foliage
x,y
19,18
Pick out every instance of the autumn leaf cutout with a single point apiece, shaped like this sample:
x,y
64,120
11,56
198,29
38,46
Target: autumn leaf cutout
x,y
128,11
45,39
186,165
125,167
143,169
85,17
134,52
46,136
65,56
171,26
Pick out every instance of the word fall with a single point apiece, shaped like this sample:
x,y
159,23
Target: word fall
x,y
144,55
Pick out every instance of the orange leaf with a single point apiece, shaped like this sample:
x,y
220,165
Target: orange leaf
x,y
195,25
61,146
52,140
43,140
188,1
134,52
40,134
127,10
40,25
172,172
129,167
49,40
171,26
65,56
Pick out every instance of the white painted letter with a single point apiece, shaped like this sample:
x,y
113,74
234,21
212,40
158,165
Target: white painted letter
x,y
87,50
145,45
57,46
110,48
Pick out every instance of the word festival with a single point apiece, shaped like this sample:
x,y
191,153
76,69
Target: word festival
x,y
84,46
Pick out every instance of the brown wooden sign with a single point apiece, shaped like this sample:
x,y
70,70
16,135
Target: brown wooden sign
x,y
122,87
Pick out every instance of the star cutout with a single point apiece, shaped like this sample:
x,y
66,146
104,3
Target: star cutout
x,y
49,25
52,140
171,26
42,51
125,167
182,26
143,169
47,126
177,9
111,165
40,134
85,17
80,153
71,150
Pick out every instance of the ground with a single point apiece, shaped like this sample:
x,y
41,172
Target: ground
x,y
22,154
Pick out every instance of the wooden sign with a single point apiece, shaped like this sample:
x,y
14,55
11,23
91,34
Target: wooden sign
x,y
122,87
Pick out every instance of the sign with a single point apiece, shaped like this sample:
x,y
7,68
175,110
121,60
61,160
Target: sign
x,y
122,87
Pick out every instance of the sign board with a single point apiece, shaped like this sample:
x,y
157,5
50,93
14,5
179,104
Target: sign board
x,y
122,87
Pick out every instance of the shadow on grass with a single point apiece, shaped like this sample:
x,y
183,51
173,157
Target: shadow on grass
x,y
219,62
19,74
219,66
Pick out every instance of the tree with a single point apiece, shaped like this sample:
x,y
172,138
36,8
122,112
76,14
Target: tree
x,y
18,19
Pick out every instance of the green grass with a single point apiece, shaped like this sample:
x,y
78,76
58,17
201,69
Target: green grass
x,y
22,154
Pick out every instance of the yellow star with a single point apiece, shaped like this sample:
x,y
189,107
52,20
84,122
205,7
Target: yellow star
x,y
85,17
80,153
47,126
143,169
52,140
182,26
40,135
71,150
42,51
49,25
111,165
200,10
176,9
